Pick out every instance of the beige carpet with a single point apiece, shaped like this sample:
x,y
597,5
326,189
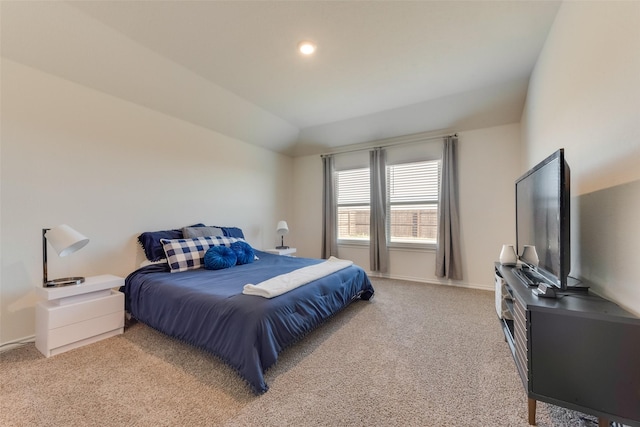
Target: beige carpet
x,y
415,355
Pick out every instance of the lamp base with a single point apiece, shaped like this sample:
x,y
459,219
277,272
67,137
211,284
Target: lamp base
x,y
282,247
67,281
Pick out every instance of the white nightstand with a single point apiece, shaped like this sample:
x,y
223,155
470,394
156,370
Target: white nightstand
x,y
76,315
284,252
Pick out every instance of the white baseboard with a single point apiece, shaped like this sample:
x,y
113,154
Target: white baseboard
x,y
16,343
458,283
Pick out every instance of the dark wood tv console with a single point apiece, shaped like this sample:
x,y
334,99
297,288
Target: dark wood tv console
x,y
578,351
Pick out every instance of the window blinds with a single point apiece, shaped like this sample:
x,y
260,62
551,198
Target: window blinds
x,y
412,183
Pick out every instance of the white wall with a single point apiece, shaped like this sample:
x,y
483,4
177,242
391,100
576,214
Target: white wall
x,y
584,95
112,169
489,165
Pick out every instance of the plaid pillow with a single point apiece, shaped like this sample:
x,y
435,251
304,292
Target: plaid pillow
x,y
188,254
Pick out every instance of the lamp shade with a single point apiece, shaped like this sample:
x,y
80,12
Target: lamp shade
x,y
530,255
282,227
508,255
65,240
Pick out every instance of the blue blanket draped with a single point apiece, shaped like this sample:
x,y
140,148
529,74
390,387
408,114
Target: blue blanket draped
x,y
207,309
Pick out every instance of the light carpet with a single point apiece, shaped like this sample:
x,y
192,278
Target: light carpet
x,y
415,355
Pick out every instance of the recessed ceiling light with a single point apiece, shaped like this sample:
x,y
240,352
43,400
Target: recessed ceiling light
x,y
306,47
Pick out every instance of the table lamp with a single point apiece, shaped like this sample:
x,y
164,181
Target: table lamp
x,y
65,240
282,229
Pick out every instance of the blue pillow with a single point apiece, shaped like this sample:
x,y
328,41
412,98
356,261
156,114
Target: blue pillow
x,y
150,241
232,232
244,252
219,257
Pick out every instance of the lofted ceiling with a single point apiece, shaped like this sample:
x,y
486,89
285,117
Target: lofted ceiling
x,y
382,68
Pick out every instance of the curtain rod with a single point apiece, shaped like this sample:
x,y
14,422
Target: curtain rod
x,y
411,140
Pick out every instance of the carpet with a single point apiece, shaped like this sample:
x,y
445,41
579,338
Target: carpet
x,y
415,355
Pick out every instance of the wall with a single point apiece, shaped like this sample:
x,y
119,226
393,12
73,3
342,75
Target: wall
x,y
584,95
112,169
44,35
489,165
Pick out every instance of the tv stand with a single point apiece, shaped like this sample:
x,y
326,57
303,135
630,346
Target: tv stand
x,y
575,285
577,288
578,351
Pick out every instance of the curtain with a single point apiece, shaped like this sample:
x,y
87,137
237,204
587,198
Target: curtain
x,y
329,210
378,253
448,258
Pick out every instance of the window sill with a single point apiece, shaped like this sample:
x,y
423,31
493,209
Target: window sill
x,y
413,246
392,246
354,243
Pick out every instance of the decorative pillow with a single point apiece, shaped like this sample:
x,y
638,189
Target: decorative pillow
x,y
233,232
188,254
219,257
151,245
244,252
192,232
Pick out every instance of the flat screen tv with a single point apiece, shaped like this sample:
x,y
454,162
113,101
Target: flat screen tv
x,y
543,218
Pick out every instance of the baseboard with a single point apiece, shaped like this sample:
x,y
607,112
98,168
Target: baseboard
x,y
16,343
457,283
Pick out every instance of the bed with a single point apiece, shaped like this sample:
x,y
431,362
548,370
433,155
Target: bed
x,y
206,308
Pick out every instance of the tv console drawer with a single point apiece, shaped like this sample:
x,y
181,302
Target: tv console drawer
x,y
520,335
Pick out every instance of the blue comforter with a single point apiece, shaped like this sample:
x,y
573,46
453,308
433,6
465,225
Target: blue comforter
x,y
207,309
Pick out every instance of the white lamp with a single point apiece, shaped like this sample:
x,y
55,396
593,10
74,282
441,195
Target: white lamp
x,y
65,240
508,255
282,228
529,255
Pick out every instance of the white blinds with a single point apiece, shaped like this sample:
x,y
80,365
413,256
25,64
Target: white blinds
x,y
412,194
411,183
353,187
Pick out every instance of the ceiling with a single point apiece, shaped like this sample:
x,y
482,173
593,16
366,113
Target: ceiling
x,y
382,69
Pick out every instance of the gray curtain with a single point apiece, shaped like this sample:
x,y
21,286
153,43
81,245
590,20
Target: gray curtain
x,y
329,209
448,258
378,253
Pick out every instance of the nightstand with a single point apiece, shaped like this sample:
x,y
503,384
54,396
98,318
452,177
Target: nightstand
x,y
76,315
284,252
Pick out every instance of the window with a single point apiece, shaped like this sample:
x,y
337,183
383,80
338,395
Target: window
x,y
352,192
412,191
412,200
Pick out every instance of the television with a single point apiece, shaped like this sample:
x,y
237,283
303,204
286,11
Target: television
x,y
543,219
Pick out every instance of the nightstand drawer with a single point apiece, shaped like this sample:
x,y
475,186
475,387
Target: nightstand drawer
x,y
58,316
73,316
78,331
